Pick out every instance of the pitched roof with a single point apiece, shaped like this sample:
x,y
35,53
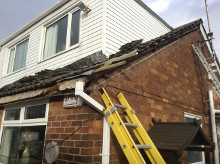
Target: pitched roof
x,y
179,136
160,41
47,78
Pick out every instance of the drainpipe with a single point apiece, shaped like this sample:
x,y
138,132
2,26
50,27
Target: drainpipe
x,y
106,127
213,123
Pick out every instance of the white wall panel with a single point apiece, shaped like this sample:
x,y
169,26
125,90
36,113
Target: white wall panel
x,y
90,42
110,24
128,21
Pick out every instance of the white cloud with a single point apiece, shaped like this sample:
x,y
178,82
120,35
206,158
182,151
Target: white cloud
x,y
179,12
158,5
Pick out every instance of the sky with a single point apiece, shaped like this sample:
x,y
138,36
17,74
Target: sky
x,y
14,14
179,12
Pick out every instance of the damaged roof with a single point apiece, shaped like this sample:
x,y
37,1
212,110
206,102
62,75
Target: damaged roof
x,y
48,78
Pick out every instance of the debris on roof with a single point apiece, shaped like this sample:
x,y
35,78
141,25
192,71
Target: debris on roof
x,y
48,78
160,41
97,61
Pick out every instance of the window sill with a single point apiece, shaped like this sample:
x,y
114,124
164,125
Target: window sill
x,y
12,73
60,53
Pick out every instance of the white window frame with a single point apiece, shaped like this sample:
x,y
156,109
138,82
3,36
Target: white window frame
x,y
218,135
22,121
8,57
193,116
68,47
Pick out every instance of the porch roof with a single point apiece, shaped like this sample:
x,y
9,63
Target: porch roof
x,y
179,136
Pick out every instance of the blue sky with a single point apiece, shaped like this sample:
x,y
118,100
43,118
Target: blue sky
x,y
14,14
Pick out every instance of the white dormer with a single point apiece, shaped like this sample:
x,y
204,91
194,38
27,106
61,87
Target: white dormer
x,y
64,34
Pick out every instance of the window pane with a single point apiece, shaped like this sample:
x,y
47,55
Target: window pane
x,y
11,61
75,28
55,40
22,144
62,31
34,112
12,114
20,55
193,156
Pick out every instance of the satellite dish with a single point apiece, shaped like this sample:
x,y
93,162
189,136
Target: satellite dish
x,y
51,152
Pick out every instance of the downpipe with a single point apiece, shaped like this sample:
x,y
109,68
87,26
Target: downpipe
x,y
213,124
79,91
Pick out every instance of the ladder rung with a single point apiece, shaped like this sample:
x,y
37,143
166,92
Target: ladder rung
x,y
143,146
130,124
120,106
112,110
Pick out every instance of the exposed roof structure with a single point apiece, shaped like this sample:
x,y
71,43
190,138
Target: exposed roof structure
x,y
47,78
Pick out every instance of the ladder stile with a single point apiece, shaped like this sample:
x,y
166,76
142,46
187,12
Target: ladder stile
x,y
142,136
130,149
124,138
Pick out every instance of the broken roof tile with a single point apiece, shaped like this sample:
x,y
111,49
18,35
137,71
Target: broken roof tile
x,y
47,78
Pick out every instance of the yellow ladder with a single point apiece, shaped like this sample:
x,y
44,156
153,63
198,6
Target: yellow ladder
x,y
130,149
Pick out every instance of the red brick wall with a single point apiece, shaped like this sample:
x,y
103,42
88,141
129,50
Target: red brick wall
x,y
166,85
85,145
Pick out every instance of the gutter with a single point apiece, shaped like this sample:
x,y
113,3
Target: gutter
x,y
79,91
213,124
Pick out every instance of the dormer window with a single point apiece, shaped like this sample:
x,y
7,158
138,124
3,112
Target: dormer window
x,y
17,56
61,34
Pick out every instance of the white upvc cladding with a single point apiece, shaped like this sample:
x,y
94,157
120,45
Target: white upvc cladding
x,y
90,42
110,24
127,21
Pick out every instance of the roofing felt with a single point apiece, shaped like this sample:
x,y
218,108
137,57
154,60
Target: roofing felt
x,y
178,136
47,78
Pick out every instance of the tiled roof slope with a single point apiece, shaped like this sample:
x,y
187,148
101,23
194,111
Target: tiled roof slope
x,y
159,41
177,136
47,78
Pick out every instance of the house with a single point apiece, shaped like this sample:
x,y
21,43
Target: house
x,y
165,74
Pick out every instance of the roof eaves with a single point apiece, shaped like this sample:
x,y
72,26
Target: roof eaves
x,y
142,4
48,78
34,21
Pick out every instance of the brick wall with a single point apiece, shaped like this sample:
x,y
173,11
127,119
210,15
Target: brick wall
x,y
85,145
166,85
1,115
